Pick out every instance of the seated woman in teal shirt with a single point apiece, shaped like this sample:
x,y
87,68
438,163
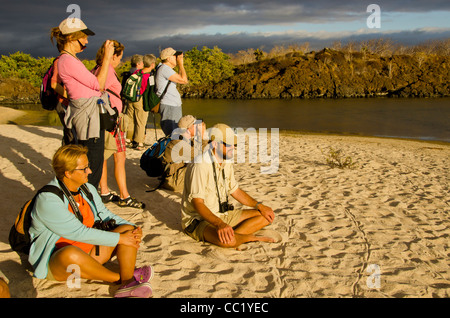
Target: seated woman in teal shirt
x,y
61,239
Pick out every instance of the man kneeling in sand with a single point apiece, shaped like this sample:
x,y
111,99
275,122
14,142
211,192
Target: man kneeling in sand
x,y
209,181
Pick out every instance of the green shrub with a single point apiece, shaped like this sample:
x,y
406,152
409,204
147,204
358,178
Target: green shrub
x,y
24,66
336,159
208,66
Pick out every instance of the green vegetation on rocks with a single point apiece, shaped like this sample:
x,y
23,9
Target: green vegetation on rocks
x,y
366,69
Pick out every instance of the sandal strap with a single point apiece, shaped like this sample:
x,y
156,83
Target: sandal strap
x,y
131,202
110,197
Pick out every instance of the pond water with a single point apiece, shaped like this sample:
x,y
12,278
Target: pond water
x,y
423,119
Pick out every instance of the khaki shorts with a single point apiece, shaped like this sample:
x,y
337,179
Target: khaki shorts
x,y
232,218
114,144
110,145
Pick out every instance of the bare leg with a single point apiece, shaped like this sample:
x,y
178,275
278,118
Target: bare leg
x,y
210,235
126,255
91,265
104,179
251,221
120,174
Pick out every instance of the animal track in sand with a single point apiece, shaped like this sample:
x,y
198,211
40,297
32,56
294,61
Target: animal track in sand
x,y
367,251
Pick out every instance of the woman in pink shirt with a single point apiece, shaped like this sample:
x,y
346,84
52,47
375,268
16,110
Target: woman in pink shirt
x,y
115,141
84,89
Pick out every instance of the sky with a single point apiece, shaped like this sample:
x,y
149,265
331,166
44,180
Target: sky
x,y
150,26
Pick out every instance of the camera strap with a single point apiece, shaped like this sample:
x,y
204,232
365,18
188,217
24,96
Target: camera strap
x,y
71,199
217,183
74,205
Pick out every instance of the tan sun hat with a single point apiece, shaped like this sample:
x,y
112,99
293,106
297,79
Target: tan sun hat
x,y
166,53
71,25
186,121
223,133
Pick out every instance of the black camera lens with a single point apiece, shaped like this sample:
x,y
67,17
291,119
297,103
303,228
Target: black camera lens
x,y
178,53
105,226
111,224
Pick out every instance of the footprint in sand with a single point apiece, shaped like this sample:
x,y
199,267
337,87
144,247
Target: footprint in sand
x,y
278,237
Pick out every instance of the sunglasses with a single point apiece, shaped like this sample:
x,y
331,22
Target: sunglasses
x,y
229,145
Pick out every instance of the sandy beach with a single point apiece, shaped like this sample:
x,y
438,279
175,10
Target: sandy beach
x,y
378,230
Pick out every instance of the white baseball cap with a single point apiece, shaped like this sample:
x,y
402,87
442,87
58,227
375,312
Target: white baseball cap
x,y
71,25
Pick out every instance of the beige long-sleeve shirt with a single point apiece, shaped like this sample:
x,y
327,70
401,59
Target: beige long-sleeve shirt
x,y
200,183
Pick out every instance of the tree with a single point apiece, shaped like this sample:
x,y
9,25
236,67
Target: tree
x,y
207,66
258,54
24,66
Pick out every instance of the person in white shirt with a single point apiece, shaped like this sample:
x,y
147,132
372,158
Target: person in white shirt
x,y
206,214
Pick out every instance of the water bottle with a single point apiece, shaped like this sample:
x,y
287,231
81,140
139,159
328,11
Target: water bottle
x,y
101,106
138,93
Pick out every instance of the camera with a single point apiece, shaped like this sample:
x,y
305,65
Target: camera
x,y
178,53
225,206
108,225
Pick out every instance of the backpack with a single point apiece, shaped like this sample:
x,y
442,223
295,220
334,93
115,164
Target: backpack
x,y
19,236
125,76
151,99
152,159
132,88
49,98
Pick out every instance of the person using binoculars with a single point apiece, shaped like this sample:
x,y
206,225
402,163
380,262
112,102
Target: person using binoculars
x,y
166,80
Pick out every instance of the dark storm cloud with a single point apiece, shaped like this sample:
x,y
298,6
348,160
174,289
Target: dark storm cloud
x,y
232,43
146,26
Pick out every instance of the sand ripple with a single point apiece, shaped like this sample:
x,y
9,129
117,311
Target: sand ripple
x,y
332,226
